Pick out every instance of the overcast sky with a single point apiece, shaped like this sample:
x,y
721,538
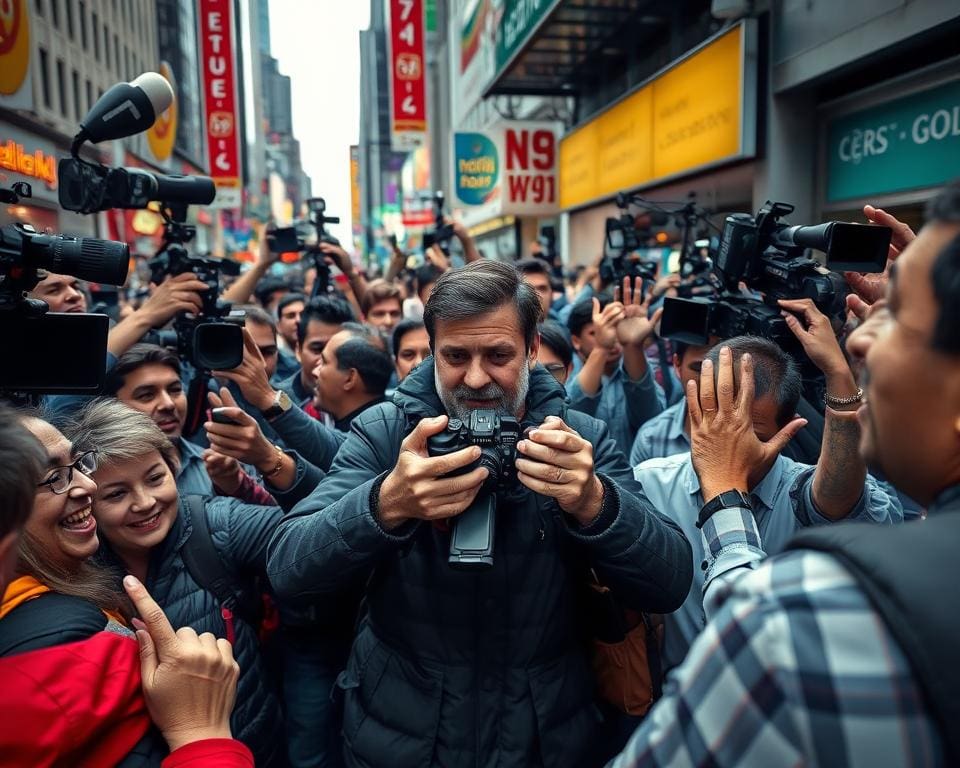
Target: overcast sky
x,y
317,45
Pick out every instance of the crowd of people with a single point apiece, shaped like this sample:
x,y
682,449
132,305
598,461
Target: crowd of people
x,y
690,562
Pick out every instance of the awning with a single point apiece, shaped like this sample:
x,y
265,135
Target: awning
x,y
564,45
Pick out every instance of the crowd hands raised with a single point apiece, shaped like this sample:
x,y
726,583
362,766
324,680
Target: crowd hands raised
x,y
250,566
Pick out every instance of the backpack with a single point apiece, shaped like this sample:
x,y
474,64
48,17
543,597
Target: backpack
x,y
206,567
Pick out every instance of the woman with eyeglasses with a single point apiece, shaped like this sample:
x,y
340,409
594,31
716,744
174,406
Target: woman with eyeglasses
x,y
59,599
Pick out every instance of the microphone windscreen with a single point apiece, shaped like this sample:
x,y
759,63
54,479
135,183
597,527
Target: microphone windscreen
x,y
157,89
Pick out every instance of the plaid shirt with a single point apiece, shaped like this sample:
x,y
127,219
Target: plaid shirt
x,y
794,668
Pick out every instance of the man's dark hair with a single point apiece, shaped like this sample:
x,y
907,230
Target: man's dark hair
x,y
426,274
370,333
401,329
287,299
331,310
775,373
554,336
267,287
478,288
380,290
373,364
945,275
532,266
259,316
136,357
22,462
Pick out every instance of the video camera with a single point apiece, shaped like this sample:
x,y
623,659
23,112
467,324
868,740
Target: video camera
x,y
287,239
623,240
79,340
769,257
212,340
471,540
442,233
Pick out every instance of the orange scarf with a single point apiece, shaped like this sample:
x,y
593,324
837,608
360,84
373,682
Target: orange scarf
x,y
26,588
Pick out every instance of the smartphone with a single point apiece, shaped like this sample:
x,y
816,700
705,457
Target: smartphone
x,y
219,416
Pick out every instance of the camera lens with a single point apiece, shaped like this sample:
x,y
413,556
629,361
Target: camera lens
x,y
89,258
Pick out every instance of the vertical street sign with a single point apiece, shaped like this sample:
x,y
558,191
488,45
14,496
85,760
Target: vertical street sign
x,y
408,99
221,106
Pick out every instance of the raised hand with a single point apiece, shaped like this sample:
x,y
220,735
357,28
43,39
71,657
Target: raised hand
x,y
815,334
189,681
635,327
251,375
416,490
605,323
725,450
243,440
871,287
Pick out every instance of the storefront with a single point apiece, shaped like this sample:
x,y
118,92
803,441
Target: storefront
x,y
689,128
893,146
27,157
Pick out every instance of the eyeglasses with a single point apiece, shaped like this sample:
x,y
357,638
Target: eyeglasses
x,y
61,478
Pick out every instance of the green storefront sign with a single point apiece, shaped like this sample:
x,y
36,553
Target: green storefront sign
x,y
520,18
908,143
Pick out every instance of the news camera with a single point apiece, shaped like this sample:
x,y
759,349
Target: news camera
x,y
623,242
769,257
79,340
471,539
442,233
213,339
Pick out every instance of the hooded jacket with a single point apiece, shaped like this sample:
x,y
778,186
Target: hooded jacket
x,y
458,668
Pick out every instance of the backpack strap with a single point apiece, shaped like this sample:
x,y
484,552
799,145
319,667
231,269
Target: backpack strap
x,y
207,568
48,620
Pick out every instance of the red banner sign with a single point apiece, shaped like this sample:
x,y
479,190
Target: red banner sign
x,y
218,73
407,73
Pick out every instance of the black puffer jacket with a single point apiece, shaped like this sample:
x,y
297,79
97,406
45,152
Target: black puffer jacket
x,y
459,669
240,533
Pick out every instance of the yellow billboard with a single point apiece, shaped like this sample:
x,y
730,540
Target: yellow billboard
x,y
688,117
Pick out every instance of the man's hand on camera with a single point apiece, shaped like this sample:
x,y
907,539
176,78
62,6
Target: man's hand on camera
x,y
557,462
179,293
438,258
338,257
872,286
815,334
251,375
723,446
416,488
189,682
265,254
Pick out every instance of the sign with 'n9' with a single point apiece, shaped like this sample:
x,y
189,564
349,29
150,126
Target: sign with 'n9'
x,y
408,99
219,77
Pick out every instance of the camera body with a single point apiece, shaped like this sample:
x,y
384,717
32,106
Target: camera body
x,y
769,256
471,541
212,340
442,233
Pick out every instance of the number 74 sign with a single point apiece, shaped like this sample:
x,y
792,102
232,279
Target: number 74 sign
x,y
408,103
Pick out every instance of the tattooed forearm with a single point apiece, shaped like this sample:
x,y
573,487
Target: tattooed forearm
x,y
840,475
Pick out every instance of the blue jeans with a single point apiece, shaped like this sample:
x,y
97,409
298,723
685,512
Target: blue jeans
x,y
313,721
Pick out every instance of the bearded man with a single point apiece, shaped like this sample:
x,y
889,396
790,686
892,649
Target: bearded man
x,y
467,667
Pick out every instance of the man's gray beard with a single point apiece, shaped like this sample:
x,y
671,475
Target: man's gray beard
x,y
505,405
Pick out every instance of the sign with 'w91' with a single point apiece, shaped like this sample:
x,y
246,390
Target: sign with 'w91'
x,y
219,77
408,101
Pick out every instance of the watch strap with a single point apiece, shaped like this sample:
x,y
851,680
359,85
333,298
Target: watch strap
x,y
726,500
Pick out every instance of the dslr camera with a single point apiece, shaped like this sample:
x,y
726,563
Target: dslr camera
x,y
769,256
622,242
471,540
295,238
442,233
80,340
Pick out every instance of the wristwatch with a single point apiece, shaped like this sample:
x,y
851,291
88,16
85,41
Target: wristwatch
x,y
281,404
726,500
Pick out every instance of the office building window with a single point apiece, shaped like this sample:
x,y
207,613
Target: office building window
x,y
62,87
55,12
95,32
45,77
68,9
77,107
116,53
39,7
82,21
89,95
106,45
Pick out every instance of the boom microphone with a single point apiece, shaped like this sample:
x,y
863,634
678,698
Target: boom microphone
x,y
126,109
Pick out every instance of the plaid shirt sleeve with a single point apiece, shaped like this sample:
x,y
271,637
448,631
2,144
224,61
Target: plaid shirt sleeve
x,y
793,668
